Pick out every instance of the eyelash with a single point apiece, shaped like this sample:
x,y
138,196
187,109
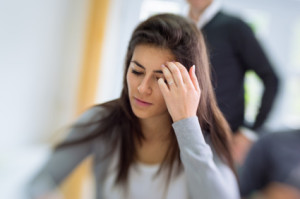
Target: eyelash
x,y
141,73
136,72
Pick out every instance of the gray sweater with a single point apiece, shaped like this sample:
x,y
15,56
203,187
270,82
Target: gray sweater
x,y
207,176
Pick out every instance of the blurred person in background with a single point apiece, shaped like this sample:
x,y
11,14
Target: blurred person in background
x,y
233,50
272,167
165,137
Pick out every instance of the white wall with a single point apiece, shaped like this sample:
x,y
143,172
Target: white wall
x,y
41,46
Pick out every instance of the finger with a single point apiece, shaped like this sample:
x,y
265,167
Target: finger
x,y
194,78
184,73
176,74
168,76
163,87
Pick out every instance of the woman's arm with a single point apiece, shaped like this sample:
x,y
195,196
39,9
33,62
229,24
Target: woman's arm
x,y
207,176
63,160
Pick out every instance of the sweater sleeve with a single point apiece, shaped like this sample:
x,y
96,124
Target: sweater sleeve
x,y
253,57
207,176
63,160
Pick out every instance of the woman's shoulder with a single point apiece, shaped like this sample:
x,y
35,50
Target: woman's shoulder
x,y
97,112
91,120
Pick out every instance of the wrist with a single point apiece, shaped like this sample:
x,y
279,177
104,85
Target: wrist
x,y
248,133
176,119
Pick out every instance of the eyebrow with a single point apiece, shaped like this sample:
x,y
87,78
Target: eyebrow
x,y
141,66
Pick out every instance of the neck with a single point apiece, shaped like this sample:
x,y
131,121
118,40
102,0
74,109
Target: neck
x,y
196,13
154,147
156,129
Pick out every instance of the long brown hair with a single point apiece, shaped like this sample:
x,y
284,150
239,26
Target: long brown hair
x,y
186,42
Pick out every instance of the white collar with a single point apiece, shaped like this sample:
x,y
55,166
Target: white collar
x,y
209,13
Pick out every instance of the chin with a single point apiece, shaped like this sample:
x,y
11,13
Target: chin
x,y
140,114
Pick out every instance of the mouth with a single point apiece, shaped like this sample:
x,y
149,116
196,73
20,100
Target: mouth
x,y
141,102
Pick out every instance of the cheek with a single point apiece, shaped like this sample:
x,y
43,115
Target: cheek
x,y
159,96
132,82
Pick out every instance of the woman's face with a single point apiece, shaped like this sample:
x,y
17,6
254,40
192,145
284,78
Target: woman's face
x,y
145,97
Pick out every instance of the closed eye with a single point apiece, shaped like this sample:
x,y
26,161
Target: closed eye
x,y
136,72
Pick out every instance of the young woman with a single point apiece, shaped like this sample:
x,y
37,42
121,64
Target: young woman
x,y
165,136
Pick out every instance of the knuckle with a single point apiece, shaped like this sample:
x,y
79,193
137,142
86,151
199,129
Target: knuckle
x,y
168,76
176,71
182,69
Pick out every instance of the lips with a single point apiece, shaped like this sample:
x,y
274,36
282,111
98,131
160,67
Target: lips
x,y
141,102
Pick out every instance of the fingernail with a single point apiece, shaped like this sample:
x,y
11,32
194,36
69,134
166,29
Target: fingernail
x,y
193,68
163,66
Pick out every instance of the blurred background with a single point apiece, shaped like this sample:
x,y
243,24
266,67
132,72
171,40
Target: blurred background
x,y
58,57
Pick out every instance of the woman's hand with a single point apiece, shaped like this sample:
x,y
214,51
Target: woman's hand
x,y
240,147
181,90
276,190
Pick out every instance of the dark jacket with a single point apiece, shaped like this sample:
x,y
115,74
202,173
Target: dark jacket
x,y
233,50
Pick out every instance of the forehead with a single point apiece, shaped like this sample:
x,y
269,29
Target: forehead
x,y
152,57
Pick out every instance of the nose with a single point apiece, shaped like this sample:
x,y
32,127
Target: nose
x,y
145,86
